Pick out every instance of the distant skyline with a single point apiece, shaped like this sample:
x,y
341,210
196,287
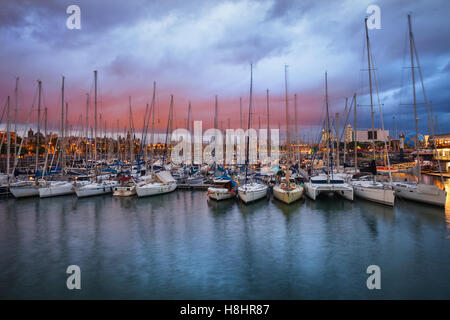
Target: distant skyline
x,y
198,49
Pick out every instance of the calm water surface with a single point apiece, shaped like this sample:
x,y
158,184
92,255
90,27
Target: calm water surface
x,y
182,246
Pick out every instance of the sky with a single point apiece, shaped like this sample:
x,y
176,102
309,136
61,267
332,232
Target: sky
x,y
196,50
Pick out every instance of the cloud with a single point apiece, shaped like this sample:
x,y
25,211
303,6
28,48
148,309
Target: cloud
x,y
197,49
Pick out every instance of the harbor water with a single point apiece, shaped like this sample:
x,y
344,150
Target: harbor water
x,y
183,246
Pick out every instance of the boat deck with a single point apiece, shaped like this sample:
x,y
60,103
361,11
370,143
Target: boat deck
x,y
200,186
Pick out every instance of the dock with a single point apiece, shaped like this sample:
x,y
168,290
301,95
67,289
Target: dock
x,y
436,174
200,186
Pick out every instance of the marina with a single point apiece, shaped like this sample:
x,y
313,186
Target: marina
x,y
182,245
230,163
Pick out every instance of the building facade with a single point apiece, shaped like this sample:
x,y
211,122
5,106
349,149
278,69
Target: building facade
x,y
443,150
366,135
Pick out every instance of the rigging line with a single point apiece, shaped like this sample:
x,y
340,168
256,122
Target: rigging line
x,y
349,110
402,79
423,85
4,110
24,131
382,124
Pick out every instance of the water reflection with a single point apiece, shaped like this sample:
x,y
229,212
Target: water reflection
x,y
222,206
368,208
288,209
183,246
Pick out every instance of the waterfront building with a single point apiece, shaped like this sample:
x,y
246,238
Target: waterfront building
x,y
443,150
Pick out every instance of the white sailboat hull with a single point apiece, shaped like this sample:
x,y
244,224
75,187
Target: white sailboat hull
x,y
379,195
99,189
287,196
193,181
252,192
314,190
55,190
219,193
124,191
24,191
421,193
151,189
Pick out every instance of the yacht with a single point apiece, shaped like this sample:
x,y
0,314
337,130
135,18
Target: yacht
x,y
287,193
221,189
126,187
25,188
95,188
56,188
331,182
252,191
420,192
164,183
323,184
374,191
367,187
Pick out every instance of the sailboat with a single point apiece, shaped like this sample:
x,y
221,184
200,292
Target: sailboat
x,y
370,189
126,187
25,188
418,191
29,188
161,182
287,192
250,191
164,183
222,189
127,183
330,182
97,187
58,188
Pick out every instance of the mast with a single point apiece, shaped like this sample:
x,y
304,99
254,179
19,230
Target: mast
x,y
370,90
268,122
95,122
188,127
66,133
63,150
8,137
330,156
131,142
16,101
355,141
153,125
287,128
338,141
416,140
45,139
216,115
38,127
240,112
215,112
434,142
345,133
249,123
87,127
144,142
296,128
168,128
45,123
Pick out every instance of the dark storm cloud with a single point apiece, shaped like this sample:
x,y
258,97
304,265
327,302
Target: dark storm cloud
x,y
201,48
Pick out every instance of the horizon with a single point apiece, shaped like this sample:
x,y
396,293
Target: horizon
x,y
197,54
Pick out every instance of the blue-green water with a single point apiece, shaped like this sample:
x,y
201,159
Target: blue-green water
x,y
182,246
